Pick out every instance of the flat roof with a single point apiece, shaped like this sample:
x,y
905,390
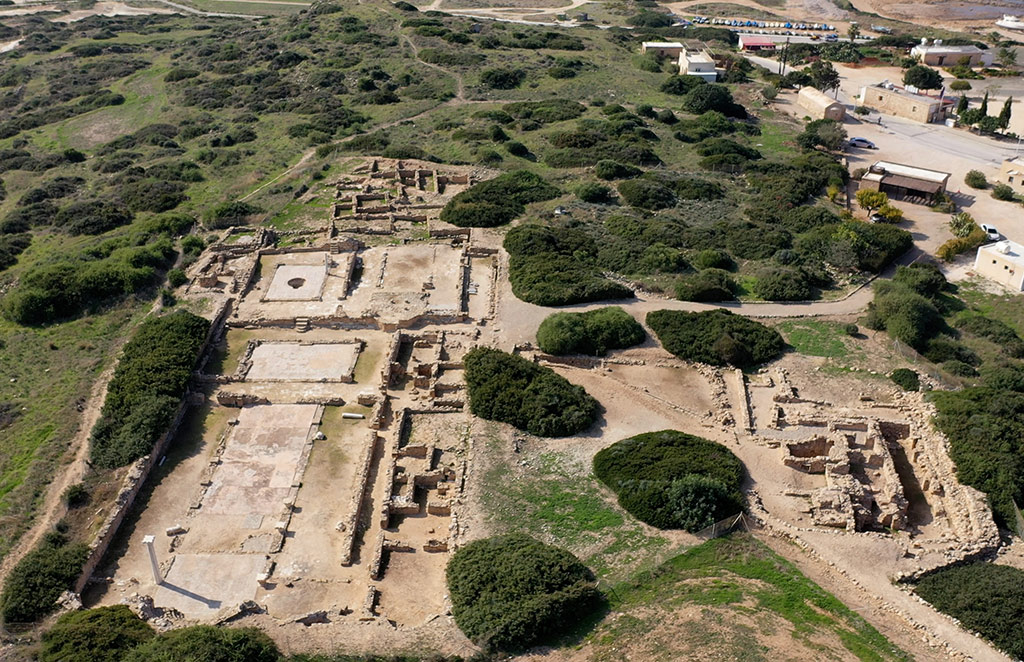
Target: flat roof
x,y
756,40
1010,250
903,170
942,48
662,44
696,56
899,91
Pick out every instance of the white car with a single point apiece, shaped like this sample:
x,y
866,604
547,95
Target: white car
x,y
862,142
993,234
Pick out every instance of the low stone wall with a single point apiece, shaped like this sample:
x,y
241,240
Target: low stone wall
x,y
356,508
139,471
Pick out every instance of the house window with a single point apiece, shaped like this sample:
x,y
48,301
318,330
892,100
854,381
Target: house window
x,y
879,97
913,109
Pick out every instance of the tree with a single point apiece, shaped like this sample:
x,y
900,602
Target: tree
x,y
984,104
971,116
890,214
975,179
962,105
1004,114
871,200
922,77
853,32
962,224
1007,56
824,76
824,133
768,93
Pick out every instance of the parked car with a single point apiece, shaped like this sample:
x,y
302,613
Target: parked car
x,y
831,37
862,142
878,218
993,234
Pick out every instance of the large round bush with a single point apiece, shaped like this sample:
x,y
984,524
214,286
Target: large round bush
x,y
672,480
716,337
593,332
103,634
510,592
208,644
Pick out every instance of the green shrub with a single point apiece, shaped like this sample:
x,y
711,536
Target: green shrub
x,y
92,217
942,349
593,192
1002,192
593,332
960,86
38,579
904,314
147,387
782,284
557,266
516,148
209,644
229,213
706,285
985,597
511,592
854,245
76,496
680,85
176,277
607,169
502,79
851,330
976,179
646,194
906,379
508,388
712,96
103,634
672,480
923,277
959,368
716,337
713,258
497,201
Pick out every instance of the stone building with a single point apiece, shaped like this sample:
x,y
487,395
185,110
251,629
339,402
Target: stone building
x,y
819,105
905,182
891,100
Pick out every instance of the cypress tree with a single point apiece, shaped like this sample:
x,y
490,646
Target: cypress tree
x,y
1004,114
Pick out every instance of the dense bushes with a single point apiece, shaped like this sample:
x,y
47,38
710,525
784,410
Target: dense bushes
x,y
646,194
782,284
502,79
35,583
712,96
63,288
209,644
706,285
855,245
103,634
906,315
716,337
985,427
593,332
996,331
229,213
607,169
507,388
557,266
147,387
511,592
672,480
906,379
985,597
497,201
91,217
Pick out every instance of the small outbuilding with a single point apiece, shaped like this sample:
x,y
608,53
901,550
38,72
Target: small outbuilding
x,y
662,48
754,42
1002,262
819,105
905,182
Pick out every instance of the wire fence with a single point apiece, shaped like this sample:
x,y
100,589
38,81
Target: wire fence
x,y
720,528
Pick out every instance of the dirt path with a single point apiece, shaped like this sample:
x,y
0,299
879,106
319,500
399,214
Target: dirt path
x,y
53,508
193,10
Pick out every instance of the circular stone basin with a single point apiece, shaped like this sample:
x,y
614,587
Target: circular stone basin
x,y
296,283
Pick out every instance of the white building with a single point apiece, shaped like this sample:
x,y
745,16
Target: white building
x,y
1002,262
662,48
697,63
938,54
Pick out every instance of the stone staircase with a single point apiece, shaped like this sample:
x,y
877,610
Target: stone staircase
x,y
302,324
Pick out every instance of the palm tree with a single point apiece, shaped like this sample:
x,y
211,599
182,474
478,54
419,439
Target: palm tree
x,y
853,31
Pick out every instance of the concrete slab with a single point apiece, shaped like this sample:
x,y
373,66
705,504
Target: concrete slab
x,y
200,585
298,282
293,362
